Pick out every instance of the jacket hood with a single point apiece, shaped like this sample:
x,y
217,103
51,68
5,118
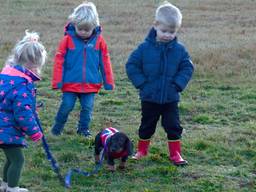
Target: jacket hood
x,y
7,86
14,76
151,37
70,29
20,71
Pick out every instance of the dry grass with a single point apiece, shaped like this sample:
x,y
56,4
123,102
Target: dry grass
x,y
219,34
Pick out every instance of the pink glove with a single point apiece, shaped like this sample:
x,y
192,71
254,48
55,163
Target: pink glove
x,y
36,137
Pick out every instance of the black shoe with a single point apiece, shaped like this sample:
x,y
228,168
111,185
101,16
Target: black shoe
x,y
56,131
84,133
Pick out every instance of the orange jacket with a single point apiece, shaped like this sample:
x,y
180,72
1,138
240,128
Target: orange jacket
x,y
81,66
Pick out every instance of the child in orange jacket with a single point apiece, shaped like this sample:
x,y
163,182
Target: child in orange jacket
x,y
82,65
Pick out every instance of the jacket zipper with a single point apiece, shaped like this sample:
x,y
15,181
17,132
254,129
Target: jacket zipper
x,y
84,68
162,74
84,61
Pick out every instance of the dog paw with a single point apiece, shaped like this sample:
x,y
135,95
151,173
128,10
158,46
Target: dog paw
x,y
121,167
111,168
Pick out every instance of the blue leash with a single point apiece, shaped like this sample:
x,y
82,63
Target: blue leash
x,y
54,164
84,173
55,167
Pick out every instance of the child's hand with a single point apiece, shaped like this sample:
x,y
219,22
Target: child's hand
x,y
39,105
36,137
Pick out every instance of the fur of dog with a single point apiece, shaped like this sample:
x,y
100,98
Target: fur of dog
x,y
117,146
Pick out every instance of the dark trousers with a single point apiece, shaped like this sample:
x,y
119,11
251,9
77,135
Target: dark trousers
x,y
169,113
13,165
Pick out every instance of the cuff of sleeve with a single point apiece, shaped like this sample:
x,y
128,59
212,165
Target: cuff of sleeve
x,y
141,84
59,85
36,137
108,87
177,87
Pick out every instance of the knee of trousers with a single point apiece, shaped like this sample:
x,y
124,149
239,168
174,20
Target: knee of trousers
x,y
87,109
174,132
66,107
146,134
19,162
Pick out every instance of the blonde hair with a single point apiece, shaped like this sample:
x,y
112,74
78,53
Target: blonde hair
x,y
28,52
168,14
85,14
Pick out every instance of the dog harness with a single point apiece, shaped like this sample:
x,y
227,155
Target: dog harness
x,y
107,133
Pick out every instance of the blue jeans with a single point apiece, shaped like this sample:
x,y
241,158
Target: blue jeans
x,y
67,105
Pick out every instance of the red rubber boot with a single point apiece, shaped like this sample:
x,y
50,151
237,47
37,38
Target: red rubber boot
x,y
142,150
175,153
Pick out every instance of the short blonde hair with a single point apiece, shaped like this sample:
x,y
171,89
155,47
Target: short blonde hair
x,y
28,52
85,14
168,14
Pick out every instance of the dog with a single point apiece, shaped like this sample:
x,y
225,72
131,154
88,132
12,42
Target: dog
x,y
116,145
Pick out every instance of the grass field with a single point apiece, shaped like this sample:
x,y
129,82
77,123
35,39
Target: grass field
x,y
218,109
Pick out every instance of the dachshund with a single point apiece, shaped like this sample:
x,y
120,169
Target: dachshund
x,y
116,145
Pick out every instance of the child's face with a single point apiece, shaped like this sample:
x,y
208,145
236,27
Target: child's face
x,y
84,31
165,33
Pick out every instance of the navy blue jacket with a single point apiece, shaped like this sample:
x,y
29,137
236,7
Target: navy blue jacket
x,y
159,70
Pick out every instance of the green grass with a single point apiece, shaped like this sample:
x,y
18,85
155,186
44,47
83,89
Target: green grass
x,y
218,109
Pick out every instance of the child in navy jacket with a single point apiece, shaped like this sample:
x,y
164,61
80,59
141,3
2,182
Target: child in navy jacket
x,y
161,68
18,106
82,65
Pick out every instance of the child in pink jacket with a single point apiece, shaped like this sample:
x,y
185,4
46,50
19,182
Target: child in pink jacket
x,y
18,106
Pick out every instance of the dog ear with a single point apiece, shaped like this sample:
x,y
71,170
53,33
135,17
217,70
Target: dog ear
x,y
108,143
129,146
98,146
